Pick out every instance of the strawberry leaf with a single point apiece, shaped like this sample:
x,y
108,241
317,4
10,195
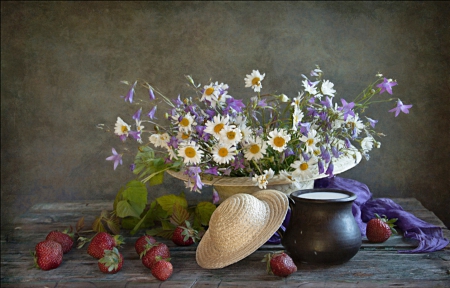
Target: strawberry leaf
x,y
204,210
167,202
179,215
80,225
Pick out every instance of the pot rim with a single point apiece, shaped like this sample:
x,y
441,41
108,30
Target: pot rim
x,y
351,196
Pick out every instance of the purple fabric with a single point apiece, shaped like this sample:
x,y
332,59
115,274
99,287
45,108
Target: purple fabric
x,y
430,237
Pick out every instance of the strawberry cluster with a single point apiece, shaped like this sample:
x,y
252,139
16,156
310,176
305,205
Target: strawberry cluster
x,y
48,254
103,247
155,256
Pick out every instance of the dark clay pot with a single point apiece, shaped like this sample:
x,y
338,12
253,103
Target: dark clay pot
x,y
322,231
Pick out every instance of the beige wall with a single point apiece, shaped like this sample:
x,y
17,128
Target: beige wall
x,y
62,63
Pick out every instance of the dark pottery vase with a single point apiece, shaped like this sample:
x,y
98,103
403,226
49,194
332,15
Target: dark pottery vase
x,y
322,229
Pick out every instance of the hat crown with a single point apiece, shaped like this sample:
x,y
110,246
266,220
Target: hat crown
x,y
240,219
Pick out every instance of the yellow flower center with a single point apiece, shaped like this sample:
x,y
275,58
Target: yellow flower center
x,y
184,122
185,136
218,127
254,148
190,152
231,135
279,141
223,152
124,129
310,142
304,166
209,91
316,152
256,81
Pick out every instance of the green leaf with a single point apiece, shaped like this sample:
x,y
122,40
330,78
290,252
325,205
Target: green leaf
x,y
204,210
160,232
129,222
126,208
179,215
156,179
167,202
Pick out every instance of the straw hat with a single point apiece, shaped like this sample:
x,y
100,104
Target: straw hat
x,y
239,226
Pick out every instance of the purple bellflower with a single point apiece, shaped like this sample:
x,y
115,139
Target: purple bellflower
x,y
137,115
150,93
330,169
372,122
130,94
117,158
347,108
152,112
400,107
386,85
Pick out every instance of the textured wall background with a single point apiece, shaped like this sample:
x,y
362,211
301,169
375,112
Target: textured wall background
x,y
62,63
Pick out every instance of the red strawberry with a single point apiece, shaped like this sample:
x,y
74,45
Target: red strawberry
x,y
150,254
380,229
184,235
141,243
279,264
162,269
103,241
48,255
64,238
111,262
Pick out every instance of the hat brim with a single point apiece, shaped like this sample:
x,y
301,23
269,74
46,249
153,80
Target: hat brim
x,y
209,257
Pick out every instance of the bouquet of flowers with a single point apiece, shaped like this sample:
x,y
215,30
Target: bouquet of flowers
x,y
210,132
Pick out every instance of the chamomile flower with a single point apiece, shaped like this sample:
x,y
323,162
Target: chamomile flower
x,y
256,149
190,153
223,153
297,116
310,140
278,139
121,128
285,175
230,135
183,136
172,154
254,80
262,180
309,88
246,132
304,170
159,140
214,127
327,88
367,144
211,93
185,123
355,125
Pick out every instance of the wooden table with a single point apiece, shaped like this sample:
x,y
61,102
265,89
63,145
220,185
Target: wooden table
x,y
375,265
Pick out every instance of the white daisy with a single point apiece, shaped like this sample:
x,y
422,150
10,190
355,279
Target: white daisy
x,y
285,175
327,88
354,124
246,132
121,128
223,153
254,80
186,122
172,153
230,135
183,136
159,140
296,101
310,140
297,116
211,93
190,152
262,180
367,144
309,88
278,139
304,170
256,149
214,127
